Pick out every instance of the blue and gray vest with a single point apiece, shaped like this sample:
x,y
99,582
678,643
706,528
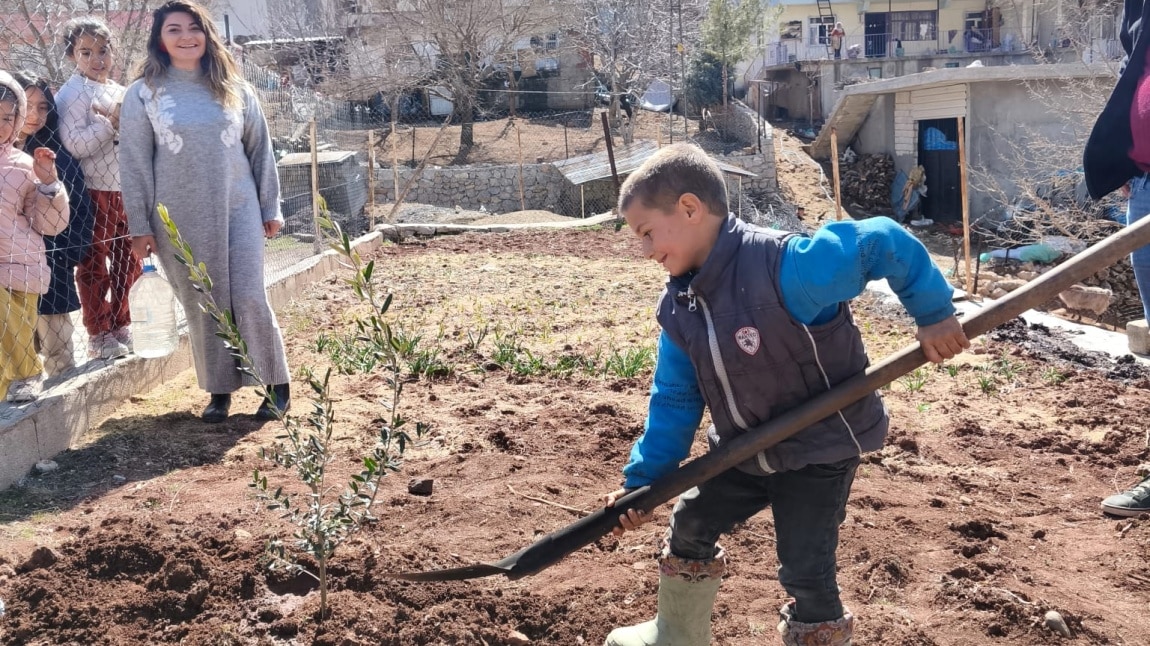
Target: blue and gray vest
x,y
754,361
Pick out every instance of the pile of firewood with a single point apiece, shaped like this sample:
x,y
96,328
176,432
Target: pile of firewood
x,y
866,184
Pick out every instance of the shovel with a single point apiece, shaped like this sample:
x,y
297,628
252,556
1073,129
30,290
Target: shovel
x,y
552,548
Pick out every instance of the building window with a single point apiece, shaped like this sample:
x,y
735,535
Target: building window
x,y
821,27
351,6
553,41
914,25
974,20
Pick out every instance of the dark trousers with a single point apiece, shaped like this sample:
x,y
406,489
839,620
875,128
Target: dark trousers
x,y
808,506
109,269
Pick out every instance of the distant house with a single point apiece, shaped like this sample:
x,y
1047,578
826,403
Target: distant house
x,y
890,38
914,119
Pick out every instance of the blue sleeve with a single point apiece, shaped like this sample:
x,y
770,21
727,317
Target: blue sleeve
x,y
673,416
835,264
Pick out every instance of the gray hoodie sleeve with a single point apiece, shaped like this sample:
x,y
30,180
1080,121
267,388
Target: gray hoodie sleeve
x,y
258,146
137,171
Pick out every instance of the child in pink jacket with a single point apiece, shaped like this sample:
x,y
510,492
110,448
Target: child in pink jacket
x,y
33,204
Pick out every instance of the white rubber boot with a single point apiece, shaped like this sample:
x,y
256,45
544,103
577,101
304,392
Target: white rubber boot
x,y
824,633
687,589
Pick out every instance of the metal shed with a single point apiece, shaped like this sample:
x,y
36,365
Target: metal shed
x,y
590,172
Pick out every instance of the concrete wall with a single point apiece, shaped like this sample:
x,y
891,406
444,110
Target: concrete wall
x,y
877,133
494,187
1004,117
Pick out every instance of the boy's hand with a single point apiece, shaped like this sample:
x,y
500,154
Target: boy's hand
x,y
632,519
942,340
44,165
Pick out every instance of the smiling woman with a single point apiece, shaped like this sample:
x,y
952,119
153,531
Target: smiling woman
x,y
194,139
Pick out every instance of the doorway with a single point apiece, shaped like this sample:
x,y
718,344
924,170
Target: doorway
x,y
938,156
876,33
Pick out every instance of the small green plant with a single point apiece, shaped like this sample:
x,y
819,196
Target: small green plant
x,y
915,381
922,407
349,354
507,349
475,339
405,344
629,363
987,384
1007,368
1053,376
527,364
328,514
952,370
426,363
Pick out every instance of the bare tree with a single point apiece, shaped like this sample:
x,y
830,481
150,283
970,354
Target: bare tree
x,y
463,44
631,42
31,32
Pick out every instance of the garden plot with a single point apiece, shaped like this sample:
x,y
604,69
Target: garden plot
x,y
530,356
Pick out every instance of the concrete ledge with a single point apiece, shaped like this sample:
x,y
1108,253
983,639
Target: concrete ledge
x,y
67,409
400,231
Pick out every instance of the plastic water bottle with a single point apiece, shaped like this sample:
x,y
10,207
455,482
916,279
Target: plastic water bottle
x,y
153,306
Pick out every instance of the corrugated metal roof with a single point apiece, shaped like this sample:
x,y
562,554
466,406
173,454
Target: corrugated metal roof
x,y
628,157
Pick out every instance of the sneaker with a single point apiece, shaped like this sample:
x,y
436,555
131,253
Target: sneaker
x,y
25,390
1134,502
105,346
124,337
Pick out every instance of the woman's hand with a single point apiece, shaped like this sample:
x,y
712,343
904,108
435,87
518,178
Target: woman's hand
x,y
44,165
272,227
143,246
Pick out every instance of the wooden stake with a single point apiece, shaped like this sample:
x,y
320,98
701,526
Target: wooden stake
x,y
835,173
965,203
519,143
371,176
394,136
316,245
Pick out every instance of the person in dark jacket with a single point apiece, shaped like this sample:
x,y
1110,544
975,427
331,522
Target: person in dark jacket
x,y
54,327
1117,156
755,322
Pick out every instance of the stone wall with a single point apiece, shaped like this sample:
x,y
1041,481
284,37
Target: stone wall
x,y
493,187
496,187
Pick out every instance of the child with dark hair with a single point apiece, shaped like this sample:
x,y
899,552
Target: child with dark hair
x,y
89,104
33,204
756,322
65,249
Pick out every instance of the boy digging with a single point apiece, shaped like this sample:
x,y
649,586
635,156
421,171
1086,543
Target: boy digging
x,y
755,322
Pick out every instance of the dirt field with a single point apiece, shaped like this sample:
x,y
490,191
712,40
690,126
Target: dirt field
x,y
979,515
531,138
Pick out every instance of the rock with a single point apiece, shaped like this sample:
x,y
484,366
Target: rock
x,y
1010,284
119,478
1027,275
516,638
41,557
242,535
46,466
998,293
966,500
420,486
1057,624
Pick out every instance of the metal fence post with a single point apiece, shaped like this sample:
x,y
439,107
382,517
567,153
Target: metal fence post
x,y
317,246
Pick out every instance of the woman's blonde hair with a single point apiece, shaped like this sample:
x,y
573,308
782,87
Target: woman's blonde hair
x,y
219,67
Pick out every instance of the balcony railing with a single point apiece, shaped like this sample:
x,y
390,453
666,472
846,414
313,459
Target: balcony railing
x,y
872,46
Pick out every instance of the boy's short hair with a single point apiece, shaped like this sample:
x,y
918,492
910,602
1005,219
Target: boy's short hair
x,y
671,172
85,26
